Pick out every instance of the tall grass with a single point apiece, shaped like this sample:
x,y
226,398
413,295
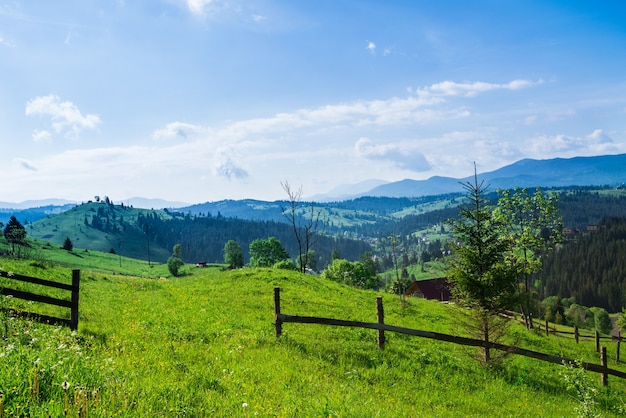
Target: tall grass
x,y
204,345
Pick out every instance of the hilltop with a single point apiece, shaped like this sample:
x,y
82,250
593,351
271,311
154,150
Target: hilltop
x,y
151,234
103,227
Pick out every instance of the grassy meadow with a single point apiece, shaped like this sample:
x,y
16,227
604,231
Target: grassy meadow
x,y
203,345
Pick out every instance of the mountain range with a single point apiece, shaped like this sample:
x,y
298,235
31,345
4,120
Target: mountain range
x,y
604,170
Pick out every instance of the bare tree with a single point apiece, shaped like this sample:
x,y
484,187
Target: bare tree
x,y
307,223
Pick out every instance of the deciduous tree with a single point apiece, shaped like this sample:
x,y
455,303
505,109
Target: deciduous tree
x,y
533,225
175,262
306,223
266,252
352,273
233,256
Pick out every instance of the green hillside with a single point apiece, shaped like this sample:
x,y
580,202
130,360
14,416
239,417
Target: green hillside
x,y
204,345
101,227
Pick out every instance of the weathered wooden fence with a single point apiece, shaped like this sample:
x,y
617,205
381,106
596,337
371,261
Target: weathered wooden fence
x,y
576,334
281,318
72,303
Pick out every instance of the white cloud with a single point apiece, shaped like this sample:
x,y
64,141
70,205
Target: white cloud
x,y
65,116
39,136
178,130
200,8
371,47
600,137
404,156
6,42
229,170
259,18
451,88
596,143
68,36
224,166
425,107
25,164
394,111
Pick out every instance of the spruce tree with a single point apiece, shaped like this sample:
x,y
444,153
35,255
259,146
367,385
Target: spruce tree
x,y
482,277
15,234
67,244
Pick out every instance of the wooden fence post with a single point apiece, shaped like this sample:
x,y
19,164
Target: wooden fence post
x,y
547,329
619,340
74,300
278,323
576,335
597,341
603,359
381,320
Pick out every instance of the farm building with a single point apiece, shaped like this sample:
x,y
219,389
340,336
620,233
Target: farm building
x,y
432,289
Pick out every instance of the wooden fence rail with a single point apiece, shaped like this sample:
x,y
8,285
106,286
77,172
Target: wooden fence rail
x,y
577,336
72,304
281,318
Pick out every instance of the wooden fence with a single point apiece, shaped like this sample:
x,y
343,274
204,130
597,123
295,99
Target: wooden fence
x,y
576,333
281,318
72,304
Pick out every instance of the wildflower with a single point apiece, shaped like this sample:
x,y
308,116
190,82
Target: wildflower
x,y
66,385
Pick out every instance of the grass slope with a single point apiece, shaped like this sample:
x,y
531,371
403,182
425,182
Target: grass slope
x,y
204,345
127,239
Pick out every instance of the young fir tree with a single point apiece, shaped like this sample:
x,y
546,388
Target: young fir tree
x,y
67,244
482,276
15,234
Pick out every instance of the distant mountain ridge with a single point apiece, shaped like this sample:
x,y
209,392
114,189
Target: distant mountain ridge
x,y
29,204
557,172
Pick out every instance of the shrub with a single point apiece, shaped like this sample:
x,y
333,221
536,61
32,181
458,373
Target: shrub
x,y
352,273
285,265
174,264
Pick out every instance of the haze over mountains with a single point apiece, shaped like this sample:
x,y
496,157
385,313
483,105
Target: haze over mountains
x,y
605,170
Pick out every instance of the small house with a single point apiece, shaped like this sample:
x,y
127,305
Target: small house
x,y
432,289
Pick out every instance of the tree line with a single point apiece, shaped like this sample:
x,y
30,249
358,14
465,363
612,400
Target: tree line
x,y
591,269
203,238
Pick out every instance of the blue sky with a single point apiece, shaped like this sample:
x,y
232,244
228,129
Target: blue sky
x,y
203,100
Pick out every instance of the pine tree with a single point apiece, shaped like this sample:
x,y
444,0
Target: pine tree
x,y
67,244
15,234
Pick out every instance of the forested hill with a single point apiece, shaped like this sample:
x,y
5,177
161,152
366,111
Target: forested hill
x,y
591,268
143,233
203,237
584,207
